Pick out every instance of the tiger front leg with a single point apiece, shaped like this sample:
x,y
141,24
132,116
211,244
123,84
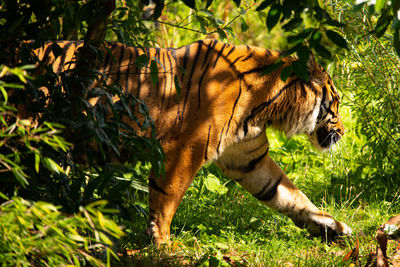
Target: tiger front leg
x,y
166,193
269,184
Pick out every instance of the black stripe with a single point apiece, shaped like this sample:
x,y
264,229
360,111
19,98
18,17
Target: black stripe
x,y
106,59
172,73
258,69
230,65
252,164
267,195
219,54
176,64
248,57
65,50
139,72
210,47
164,54
185,58
230,51
208,140
128,76
121,57
200,81
156,56
154,185
173,53
46,54
234,105
111,59
322,106
265,143
303,90
263,106
324,91
220,138
189,83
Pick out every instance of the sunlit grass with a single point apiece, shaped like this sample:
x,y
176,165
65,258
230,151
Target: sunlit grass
x,y
234,227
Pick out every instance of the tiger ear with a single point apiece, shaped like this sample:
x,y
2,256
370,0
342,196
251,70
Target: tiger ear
x,y
316,72
312,65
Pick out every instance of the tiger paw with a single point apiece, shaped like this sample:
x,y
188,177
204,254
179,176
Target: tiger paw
x,y
323,224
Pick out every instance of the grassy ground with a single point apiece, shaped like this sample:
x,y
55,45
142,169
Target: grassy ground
x,y
219,227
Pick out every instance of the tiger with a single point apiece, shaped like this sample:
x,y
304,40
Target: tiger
x,y
212,103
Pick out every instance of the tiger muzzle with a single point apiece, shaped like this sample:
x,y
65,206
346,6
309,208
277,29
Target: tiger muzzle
x,y
327,138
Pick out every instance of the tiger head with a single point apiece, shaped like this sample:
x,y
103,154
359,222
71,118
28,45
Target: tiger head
x,y
328,126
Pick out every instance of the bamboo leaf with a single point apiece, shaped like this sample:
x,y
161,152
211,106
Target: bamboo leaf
x,y
273,17
337,39
264,5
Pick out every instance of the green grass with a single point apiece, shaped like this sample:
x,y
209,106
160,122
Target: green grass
x,y
234,229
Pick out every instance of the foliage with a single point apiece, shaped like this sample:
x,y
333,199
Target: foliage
x,y
52,158
51,134
369,78
39,234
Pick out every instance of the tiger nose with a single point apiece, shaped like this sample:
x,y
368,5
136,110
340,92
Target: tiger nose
x,y
340,130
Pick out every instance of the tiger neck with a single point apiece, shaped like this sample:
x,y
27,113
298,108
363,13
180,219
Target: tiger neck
x,y
291,106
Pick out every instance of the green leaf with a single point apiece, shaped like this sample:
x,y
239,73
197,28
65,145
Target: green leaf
x,y
300,69
337,39
37,161
273,16
396,41
213,184
323,14
292,24
315,38
271,68
105,239
244,27
3,196
190,3
237,2
209,2
4,93
299,38
264,5
382,24
158,9
177,86
52,165
322,51
286,72
154,72
303,53
358,7
141,61
221,33
20,176
379,4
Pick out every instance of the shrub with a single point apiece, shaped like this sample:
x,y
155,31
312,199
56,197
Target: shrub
x,y
37,233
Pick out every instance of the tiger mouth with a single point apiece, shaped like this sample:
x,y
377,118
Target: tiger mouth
x,y
327,138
